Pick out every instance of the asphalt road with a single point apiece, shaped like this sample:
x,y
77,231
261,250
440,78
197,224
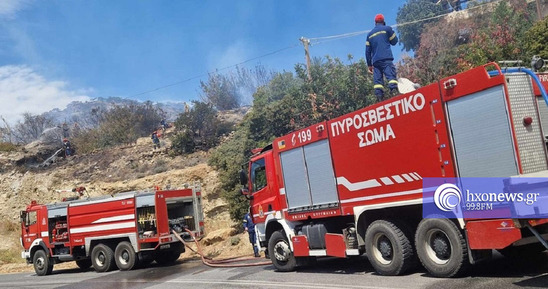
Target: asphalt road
x,y
500,273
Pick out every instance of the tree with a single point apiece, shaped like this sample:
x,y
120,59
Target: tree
x,y
198,127
220,91
287,103
6,132
499,35
228,159
122,124
437,56
228,91
494,33
537,38
31,127
416,10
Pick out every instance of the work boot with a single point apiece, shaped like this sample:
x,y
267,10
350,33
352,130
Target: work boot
x,y
380,97
394,92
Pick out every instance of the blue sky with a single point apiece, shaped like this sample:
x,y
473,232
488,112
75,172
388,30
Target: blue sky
x,y
53,52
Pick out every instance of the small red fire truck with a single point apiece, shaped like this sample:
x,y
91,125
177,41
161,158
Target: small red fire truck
x,y
353,185
120,230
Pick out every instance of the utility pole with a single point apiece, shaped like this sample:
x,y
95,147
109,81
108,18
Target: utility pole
x,y
306,42
539,13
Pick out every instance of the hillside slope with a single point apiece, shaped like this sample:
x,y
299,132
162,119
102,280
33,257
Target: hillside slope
x,y
120,169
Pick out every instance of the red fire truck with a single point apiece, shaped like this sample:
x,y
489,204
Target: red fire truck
x,y
122,230
353,185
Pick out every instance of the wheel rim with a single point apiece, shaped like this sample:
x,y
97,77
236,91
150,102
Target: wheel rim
x,y
438,247
383,251
40,263
124,257
282,251
100,259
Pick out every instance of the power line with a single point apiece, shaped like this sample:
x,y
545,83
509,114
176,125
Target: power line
x,y
311,41
323,39
219,69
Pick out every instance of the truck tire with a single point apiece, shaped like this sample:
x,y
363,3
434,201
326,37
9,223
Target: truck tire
x,y
125,256
102,258
441,248
280,252
83,263
43,265
388,248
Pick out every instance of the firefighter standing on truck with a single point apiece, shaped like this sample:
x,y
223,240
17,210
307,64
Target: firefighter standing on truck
x,y
249,227
378,54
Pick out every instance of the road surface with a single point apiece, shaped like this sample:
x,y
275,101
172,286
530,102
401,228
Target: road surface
x,y
498,273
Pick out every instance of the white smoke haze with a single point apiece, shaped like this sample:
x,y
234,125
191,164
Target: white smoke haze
x,y
9,8
24,90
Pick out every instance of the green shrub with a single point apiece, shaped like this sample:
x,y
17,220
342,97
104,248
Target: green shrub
x,y
183,143
122,124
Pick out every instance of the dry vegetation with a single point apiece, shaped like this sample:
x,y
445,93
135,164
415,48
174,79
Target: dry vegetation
x,y
125,168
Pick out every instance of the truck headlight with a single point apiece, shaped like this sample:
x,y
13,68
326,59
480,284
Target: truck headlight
x,y
537,63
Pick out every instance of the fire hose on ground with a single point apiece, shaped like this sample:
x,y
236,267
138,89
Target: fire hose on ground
x,y
228,262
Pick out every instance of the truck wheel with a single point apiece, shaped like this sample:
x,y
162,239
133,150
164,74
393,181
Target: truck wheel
x,y
125,256
441,247
83,263
102,258
43,265
388,249
280,253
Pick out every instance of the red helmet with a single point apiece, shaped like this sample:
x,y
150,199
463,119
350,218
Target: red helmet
x,y
379,18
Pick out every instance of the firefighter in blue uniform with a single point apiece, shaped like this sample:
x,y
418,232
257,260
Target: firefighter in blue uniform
x,y
249,227
378,54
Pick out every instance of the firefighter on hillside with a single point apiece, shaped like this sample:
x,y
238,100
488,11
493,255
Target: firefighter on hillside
x,y
68,147
249,227
155,140
378,54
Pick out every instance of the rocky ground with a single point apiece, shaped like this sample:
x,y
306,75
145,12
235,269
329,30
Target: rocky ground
x,y
131,167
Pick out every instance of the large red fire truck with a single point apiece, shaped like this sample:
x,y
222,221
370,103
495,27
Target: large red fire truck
x,y
121,230
353,185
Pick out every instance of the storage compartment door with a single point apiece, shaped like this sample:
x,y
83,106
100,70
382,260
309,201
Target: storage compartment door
x,y
481,134
320,175
295,179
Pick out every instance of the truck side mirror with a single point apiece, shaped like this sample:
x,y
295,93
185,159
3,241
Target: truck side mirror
x,y
246,193
243,178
